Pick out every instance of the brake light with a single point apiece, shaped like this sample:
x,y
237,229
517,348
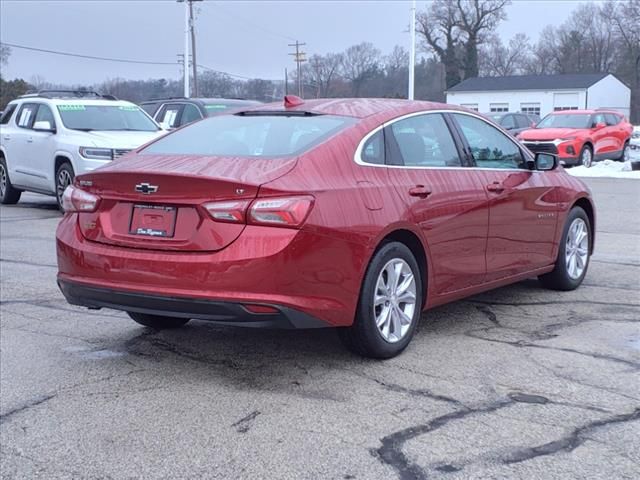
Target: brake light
x,y
228,211
281,211
77,200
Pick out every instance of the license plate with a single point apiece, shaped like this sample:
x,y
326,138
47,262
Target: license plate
x,y
153,220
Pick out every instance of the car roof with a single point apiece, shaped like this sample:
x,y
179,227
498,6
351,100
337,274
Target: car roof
x,y
203,100
584,112
77,101
359,107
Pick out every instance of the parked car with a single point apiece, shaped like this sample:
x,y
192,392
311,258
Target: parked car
x,y
580,137
324,213
175,112
514,123
49,137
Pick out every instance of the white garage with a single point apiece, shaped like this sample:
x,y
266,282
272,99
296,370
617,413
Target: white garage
x,y
541,94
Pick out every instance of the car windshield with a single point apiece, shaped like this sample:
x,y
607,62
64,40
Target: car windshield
x,y
105,117
260,134
565,120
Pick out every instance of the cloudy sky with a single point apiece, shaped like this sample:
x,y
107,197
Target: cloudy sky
x,y
239,37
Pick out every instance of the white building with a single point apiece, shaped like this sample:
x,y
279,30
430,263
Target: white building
x,y
541,94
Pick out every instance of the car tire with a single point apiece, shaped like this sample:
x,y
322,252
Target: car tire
x,y
8,194
64,178
626,153
586,156
567,273
384,326
157,321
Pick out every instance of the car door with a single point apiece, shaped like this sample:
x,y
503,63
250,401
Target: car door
x,y
41,147
618,134
22,170
169,115
522,207
604,141
444,199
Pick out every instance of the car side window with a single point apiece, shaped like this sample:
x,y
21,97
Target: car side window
x,y
522,121
190,113
373,149
508,122
27,115
596,119
6,115
425,141
169,114
44,114
489,146
612,119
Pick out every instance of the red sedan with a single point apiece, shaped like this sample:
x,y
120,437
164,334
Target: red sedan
x,y
580,137
350,213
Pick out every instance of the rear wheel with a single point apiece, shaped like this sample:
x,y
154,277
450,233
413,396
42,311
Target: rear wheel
x,y
389,306
573,253
8,194
586,156
64,178
157,321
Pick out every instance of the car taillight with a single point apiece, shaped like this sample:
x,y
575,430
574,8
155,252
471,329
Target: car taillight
x,y
77,200
228,211
280,211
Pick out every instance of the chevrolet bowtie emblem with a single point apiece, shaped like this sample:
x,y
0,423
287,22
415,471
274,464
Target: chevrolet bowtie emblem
x,y
146,188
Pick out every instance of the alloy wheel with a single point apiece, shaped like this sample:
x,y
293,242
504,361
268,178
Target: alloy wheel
x,y
394,301
586,157
3,180
64,180
577,248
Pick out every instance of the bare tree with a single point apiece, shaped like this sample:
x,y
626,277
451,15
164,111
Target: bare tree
x,y
497,59
438,27
476,18
321,70
542,58
359,63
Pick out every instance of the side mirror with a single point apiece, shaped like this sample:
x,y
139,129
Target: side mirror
x,y
44,126
546,161
600,125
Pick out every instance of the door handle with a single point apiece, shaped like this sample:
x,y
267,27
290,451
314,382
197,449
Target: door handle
x,y
495,187
420,191
30,140
7,137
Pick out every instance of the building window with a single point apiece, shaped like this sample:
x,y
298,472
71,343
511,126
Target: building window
x,y
560,109
470,106
531,108
498,107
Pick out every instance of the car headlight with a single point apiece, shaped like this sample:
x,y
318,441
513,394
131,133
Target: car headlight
x,y
558,141
96,153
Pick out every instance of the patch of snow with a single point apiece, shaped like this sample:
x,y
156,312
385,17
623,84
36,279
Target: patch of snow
x,y
606,168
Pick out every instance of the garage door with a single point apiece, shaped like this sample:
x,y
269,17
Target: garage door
x,y
565,101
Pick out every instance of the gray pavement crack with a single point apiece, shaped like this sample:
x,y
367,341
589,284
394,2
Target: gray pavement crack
x,y
31,264
245,423
572,441
34,402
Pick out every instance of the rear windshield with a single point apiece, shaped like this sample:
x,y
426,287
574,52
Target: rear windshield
x,y
565,120
257,135
106,117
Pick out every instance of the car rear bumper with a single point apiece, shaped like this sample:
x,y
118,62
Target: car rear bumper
x,y
226,313
288,269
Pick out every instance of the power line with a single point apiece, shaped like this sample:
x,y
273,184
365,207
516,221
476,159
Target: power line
x,y
91,57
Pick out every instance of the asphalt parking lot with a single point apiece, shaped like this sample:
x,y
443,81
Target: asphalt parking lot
x,y
515,383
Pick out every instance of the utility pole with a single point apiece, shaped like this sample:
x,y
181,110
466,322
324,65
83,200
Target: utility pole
x,y
189,36
412,51
298,58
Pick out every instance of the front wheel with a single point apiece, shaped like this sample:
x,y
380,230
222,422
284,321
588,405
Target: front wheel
x,y
8,194
586,156
64,178
157,321
390,304
573,253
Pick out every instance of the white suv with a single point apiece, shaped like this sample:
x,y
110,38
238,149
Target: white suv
x,y
48,137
